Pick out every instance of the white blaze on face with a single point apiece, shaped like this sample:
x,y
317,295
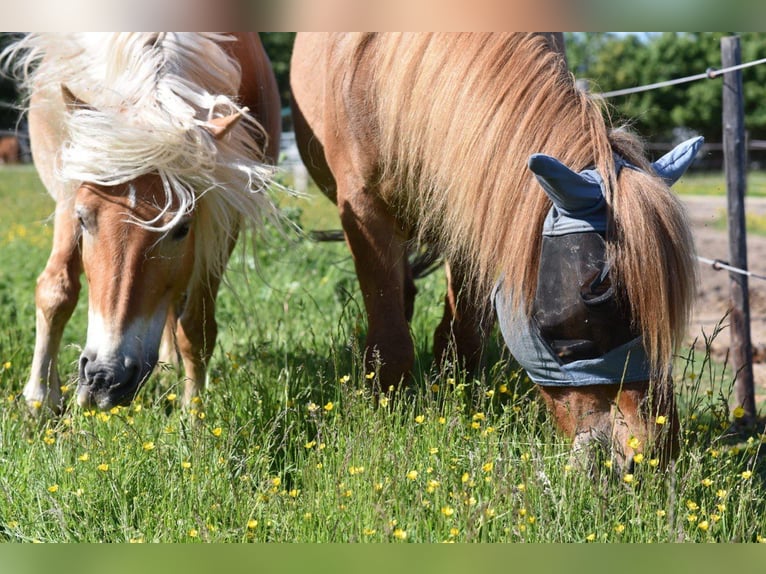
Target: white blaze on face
x,y
139,341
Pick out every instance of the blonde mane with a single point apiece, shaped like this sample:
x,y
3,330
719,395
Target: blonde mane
x,y
455,118
148,97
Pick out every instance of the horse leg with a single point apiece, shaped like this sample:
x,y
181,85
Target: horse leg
x,y
461,329
378,248
58,288
196,335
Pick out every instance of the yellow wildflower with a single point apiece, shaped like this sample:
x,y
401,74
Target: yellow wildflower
x,y
412,475
706,482
193,533
103,467
628,478
661,419
619,528
329,406
53,488
442,420
368,531
148,445
721,493
653,462
448,511
83,457
634,443
738,412
185,464
638,458
590,537
692,506
217,431
747,475
703,525
661,513
420,419
383,401
370,375
346,378
400,534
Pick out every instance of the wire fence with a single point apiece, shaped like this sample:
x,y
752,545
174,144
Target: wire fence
x,y
709,74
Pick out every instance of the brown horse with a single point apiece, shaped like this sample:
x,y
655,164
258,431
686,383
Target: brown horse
x,y
9,150
428,137
157,149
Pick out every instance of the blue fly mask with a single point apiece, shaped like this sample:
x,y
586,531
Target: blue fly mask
x,y
580,331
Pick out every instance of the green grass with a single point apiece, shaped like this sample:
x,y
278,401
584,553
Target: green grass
x,y
289,446
715,184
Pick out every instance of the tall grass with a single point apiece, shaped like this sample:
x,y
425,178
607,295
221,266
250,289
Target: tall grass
x,y
287,444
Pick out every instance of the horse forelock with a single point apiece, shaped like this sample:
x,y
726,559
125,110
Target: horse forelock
x,y
148,97
456,117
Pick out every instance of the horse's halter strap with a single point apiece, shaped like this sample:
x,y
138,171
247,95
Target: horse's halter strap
x,y
579,332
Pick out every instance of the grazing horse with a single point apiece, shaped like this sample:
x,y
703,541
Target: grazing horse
x,y
158,149
475,143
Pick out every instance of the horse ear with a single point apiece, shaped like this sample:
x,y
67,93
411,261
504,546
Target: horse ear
x,y
673,164
567,189
219,127
72,102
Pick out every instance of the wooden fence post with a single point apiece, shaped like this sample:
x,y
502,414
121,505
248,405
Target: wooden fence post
x,y
734,163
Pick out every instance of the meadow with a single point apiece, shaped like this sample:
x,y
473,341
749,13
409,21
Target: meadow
x,y
287,444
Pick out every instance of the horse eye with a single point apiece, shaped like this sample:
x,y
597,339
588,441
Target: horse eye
x,y
181,230
82,219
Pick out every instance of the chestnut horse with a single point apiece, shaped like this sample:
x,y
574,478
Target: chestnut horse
x,y
158,149
428,137
9,150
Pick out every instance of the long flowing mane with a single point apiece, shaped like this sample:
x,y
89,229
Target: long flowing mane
x,y
148,98
455,117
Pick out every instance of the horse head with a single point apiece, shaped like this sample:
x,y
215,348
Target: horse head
x,y
137,243
581,330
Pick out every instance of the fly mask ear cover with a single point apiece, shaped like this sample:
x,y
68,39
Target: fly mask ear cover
x,y
579,332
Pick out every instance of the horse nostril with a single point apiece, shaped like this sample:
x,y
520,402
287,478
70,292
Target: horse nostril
x,y
83,364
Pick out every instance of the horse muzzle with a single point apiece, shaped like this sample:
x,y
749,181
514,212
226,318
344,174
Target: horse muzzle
x,y
112,381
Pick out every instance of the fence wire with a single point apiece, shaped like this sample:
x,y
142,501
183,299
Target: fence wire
x,y
709,74
719,265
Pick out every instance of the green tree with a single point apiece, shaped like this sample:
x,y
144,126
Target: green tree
x,y
614,62
279,47
9,115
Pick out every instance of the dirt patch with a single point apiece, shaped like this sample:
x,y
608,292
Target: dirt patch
x,y
712,302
